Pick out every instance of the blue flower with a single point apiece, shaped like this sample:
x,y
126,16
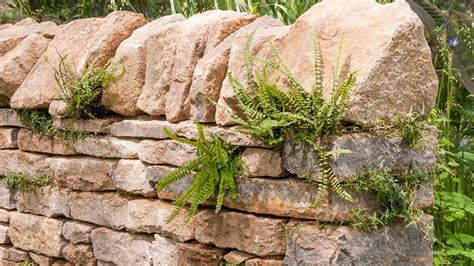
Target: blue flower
x,y
453,42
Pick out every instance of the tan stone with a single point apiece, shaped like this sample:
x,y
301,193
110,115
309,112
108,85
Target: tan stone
x,y
4,238
81,254
77,232
8,117
4,216
198,33
23,162
121,248
7,197
48,201
40,259
108,147
105,209
397,244
8,138
83,173
260,236
34,141
26,22
263,162
7,263
237,257
12,254
87,125
164,251
227,103
130,176
94,40
263,262
149,216
165,152
10,37
122,95
211,71
17,63
38,234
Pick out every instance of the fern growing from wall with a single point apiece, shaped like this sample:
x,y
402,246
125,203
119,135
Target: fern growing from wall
x,y
214,171
273,114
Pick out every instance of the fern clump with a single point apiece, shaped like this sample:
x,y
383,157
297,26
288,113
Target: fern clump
x,y
272,113
25,182
82,92
214,171
37,119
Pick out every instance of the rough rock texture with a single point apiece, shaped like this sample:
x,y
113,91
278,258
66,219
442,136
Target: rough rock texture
x,y
368,152
108,147
17,63
83,173
41,260
4,216
38,234
246,232
130,176
237,257
122,95
12,254
4,238
80,254
394,245
94,40
121,248
211,71
398,55
8,138
48,201
105,209
10,37
78,232
262,37
8,117
19,161
263,162
29,140
165,152
263,262
149,216
88,125
7,197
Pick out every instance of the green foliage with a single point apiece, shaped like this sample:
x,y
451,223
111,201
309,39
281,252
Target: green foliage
x,y
272,113
82,92
25,182
393,193
214,170
37,119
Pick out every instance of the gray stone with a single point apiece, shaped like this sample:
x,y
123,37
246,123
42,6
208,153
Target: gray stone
x,y
165,152
12,254
8,138
108,147
4,238
23,162
7,197
8,117
48,201
78,232
130,176
87,125
263,162
34,141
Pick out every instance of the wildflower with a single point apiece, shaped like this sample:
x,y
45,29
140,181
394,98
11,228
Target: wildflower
x,y
453,42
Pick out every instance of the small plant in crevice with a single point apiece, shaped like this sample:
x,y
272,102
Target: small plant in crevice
x,y
82,92
393,193
25,182
272,113
214,171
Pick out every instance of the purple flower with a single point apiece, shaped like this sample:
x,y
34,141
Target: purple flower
x,y
453,42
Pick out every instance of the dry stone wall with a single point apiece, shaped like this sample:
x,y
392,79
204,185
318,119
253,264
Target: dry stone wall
x,y
101,207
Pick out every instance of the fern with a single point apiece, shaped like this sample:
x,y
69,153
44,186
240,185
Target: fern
x,y
215,168
271,113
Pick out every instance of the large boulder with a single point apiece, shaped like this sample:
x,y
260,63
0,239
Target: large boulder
x,y
93,39
122,95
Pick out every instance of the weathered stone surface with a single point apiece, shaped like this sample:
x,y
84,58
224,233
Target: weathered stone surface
x,y
199,34
8,138
263,262
23,162
424,197
4,216
121,248
108,147
105,209
12,254
17,63
48,201
367,152
227,102
122,95
94,40
40,259
80,254
130,176
165,152
246,232
164,251
263,162
38,234
83,173
34,141
396,244
142,129
10,37
237,257
211,71
4,238
155,173
149,216
8,117
398,55
78,232
7,197
87,125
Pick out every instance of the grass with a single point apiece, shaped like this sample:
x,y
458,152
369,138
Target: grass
x,y
25,182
